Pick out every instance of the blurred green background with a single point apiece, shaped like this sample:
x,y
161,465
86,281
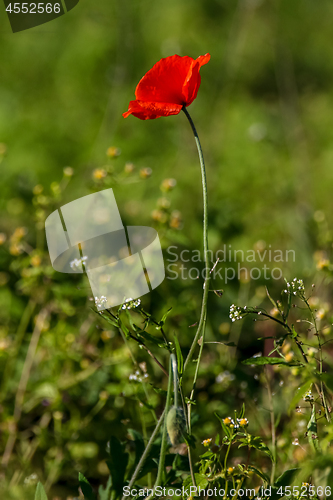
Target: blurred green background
x,y
264,117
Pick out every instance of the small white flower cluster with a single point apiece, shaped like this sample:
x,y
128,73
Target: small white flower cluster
x,y
229,422
236,312
100,302
131,303
308,396
136,377
76,264
295,287
243,422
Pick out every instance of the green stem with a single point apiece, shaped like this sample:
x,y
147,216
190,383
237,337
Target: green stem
x,y
188,430
322,391
202,320
203,315
273,432
175,380
146,452
164,434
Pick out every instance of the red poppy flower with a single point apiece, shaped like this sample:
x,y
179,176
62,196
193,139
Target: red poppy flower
x,y
173,82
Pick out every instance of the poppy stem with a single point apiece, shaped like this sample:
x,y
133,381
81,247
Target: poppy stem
x,y
200,333
161,461
203,315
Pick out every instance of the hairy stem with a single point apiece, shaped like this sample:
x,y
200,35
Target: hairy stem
x,y
202,322
321,392
164,434
271,410
145,453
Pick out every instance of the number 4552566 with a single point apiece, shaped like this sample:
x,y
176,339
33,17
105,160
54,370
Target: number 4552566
x,y
33,8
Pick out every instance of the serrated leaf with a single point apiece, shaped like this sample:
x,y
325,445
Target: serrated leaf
x,y
286,478
86,488
258,444
40,492
200,479
259,473
264,360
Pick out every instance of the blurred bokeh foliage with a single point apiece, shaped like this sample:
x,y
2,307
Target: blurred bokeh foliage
x,y
264,117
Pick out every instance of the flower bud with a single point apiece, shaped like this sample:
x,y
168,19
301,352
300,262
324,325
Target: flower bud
x,y
175,424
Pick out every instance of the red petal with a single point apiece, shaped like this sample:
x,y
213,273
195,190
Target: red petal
x,y
165,81
193,80
149,110
203,59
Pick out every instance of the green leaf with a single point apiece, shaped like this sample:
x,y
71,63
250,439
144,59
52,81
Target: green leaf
x,y
107,317
147,336
286,313
200,480
124,328
225,429
259,473
40,492
264,360
258,444
180,359
117,464
159,391
181,463
327,379
86,488
151,338
286,478
145,404
271,299
104,493
139,444
164,317
295,334
189,439
242,412
299,394
190,401
312,430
